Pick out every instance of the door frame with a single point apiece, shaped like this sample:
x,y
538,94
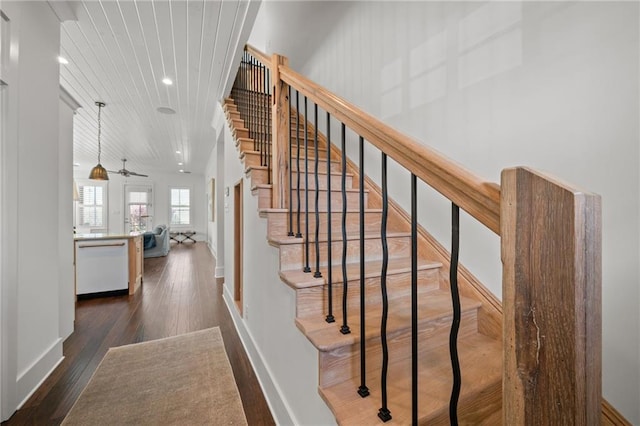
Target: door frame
x,y
238,236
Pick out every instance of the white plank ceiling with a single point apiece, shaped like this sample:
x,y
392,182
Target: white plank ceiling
x,y
119,51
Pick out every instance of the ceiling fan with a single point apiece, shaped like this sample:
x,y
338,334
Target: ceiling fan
x,y
126,173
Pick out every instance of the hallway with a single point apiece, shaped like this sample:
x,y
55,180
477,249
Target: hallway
x,y
179,295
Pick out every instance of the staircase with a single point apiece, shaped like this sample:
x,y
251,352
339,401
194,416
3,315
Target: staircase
x,y
339,354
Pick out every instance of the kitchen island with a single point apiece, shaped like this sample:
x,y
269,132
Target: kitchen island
x,y
108,264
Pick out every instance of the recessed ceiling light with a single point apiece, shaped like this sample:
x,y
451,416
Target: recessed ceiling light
x,y
167,81
181,171
179,164
166,110
177,152
62,60
76,164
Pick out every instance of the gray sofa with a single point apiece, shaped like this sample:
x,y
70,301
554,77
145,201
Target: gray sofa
x,y
161,234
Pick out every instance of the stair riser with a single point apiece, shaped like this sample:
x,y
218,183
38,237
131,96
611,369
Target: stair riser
x,y
264,197
353,200
343,363
336,182
482,408
311,166
259,123
233,115
314,302
252,159
322,153
278,222
239,132
292,255
245,145
238,123
258,176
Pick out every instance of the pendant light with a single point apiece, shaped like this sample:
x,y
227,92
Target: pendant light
x,y
99,172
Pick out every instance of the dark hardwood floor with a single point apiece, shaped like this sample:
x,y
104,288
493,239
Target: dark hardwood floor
x,y
179,295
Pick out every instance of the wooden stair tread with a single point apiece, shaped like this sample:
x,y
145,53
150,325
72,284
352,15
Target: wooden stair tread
x,y
335,237
299,279
272,210
310,159
249,168
432,306
347,190
261,186
481,366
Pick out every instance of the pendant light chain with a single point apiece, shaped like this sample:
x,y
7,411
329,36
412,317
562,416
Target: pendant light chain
x,y
99,172
100,104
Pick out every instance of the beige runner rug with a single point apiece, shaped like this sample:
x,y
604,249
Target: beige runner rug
x,y
184,380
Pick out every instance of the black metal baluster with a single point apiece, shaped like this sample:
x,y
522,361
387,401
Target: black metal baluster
x,y
258,112
243,101
252,105
330,318
414,301
317,273
306,190
299,234
363,390
384,414
344,329
290,233
257,117
269,139
455,325
265,116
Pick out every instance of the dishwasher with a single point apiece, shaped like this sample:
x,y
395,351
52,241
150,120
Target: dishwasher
x,y
102,266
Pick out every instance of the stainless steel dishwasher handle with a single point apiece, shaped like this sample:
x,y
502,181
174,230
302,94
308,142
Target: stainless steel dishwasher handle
x,y
102,245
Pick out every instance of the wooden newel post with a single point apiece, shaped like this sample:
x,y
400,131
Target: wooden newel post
x,y
551,255
280,134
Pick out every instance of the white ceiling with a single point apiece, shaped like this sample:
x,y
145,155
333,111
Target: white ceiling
x,y
120,50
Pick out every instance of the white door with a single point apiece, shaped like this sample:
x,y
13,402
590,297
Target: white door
x,y
138,205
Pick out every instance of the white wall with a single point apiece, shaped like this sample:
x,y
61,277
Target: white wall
x,y
161,182
549,85
284,360
66,277
216,170
31,337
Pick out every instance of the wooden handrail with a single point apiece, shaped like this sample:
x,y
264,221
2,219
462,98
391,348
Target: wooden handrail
x,y
477,197
266,60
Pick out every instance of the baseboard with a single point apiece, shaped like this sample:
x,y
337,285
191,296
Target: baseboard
x,y
212,250
611,416
280,410
219,272
30,379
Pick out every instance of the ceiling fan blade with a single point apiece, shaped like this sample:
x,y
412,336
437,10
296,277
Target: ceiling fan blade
x,y
137,174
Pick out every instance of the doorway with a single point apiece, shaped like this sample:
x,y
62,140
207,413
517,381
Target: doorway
x,y
138,205
237,250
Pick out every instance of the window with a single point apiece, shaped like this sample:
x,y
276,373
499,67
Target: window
x,y
138,202
91,214
180,206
